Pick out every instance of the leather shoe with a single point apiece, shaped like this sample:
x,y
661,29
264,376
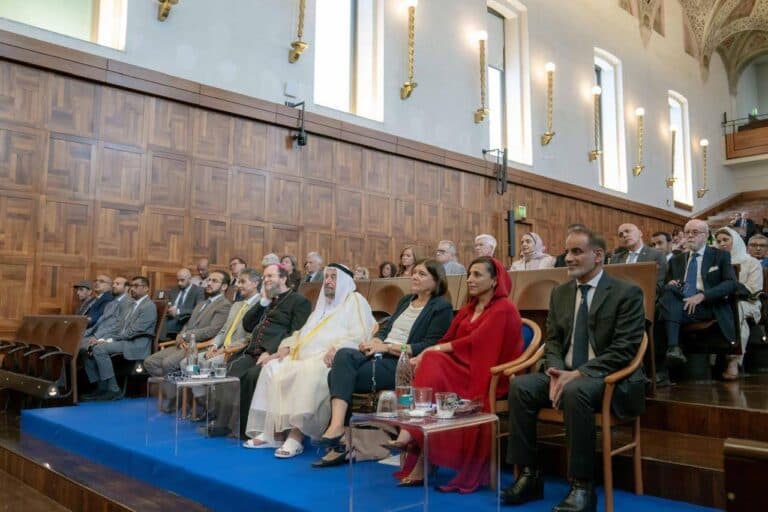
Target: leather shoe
x,y
339,459
108,396
529,486
582,498
675,357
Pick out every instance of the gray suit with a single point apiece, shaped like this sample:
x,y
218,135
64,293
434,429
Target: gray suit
x,y
110,323
206,321
317,277
647,254
454,268
134,341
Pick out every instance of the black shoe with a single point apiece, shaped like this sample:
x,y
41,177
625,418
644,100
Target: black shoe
x,y
582,498
339,459
675,357
329,442
108,396
528,487
214,431
93,395
662,379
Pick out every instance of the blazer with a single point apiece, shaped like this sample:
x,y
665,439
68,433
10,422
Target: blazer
x,y
317,278
111,321
239,335
431,324
615,329
96,307
269,325
195,295
647,254
720,281
139,330
207,319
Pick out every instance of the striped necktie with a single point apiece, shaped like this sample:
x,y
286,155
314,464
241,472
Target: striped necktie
x,y
235,323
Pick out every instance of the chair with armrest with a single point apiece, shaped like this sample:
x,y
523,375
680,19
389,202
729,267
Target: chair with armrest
x,y
604,419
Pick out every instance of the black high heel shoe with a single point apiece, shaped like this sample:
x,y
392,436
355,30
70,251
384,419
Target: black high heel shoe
x,y
329,442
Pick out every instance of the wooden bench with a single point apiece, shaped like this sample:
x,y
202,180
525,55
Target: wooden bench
x,y
44,350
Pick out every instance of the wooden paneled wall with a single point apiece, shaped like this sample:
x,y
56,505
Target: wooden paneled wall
x,y
94,178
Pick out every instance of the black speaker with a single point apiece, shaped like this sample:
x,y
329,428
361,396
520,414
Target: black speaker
x,y
511,233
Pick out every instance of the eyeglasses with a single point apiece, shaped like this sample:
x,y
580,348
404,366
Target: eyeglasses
x,y
440,251
758,245
694,232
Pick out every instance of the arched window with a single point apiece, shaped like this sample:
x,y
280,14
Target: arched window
x,y
613,162
678,123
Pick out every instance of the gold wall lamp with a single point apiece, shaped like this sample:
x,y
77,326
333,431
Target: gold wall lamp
x,y
482,112
704,143
410,84
546,137
640,115
670,180
164,9
298,46
595,153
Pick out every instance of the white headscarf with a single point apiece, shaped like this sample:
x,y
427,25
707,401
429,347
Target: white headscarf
x,y
738,249
344,286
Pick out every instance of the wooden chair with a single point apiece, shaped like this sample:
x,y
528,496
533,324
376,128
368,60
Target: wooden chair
x,y
385,294
532,341
605,420
310,291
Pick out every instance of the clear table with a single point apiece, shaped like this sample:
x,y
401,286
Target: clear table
x,y
193,416
362,489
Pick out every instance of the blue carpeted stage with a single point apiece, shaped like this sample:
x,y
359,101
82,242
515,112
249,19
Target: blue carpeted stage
x,y
222,476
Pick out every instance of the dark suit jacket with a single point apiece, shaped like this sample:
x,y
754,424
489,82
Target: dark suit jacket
x,y
616,327
270,325
318,277
647,254
719,279
750,228
431,324
195,296
96,307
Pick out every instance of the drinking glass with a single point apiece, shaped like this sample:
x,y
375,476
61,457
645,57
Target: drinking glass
x,y
446,404
220,370
404,398
422,398
387,407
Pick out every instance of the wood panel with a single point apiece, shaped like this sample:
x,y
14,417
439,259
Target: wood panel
x,y
21,158
18,224
248,194
23,94
123,116
73,105
66,229
168,179
16,277
117,232
121,174
170,126
70,167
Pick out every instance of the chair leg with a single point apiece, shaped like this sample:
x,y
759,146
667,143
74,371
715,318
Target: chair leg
x,y
637,457
494,450
607,467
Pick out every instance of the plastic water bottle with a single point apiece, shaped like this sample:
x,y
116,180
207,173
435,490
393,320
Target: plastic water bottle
x,y
403,379
192,367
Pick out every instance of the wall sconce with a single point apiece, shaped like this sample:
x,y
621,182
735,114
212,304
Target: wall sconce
x,y
521,212
704,143
482,112
670,181
546,137
595,153
410,85
640,115
164,9
298,46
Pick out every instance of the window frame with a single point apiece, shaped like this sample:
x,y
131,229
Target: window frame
x,y
613,160
682,191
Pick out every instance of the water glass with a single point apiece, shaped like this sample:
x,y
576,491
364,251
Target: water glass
x,y
422,398
446,404
388,406
220,370
205,368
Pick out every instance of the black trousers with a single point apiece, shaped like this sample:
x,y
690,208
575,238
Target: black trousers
x,y
352,372
244,367
582,397
672,313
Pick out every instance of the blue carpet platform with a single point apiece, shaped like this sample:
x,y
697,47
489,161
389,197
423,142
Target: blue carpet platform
x,y
222,476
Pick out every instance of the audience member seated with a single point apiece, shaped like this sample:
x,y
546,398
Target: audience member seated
x,y
291,266
678,240
633,250
595,327
758,249
236,265
387,269
280,312
133,342
419,321
182,300
560,260
408,258
662,242
484,333
751,277
202,273
83,291
485,245
532,255
446,254
313,268
698,283
110,323
361,273
270,259
743,225
292,391
205,322
103,290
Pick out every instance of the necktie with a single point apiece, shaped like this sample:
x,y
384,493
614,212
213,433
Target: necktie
x,y
690,289
180,298
581,330
235,323
308,278
632,257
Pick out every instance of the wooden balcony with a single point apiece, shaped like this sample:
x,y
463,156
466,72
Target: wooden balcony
x,y
747,140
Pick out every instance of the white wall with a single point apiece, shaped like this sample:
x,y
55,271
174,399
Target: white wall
x,y
761,81
244,46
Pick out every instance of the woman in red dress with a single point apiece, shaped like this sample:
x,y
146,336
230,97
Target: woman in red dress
x,y
486,332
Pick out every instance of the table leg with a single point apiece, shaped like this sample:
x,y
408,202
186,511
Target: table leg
x,y
425,456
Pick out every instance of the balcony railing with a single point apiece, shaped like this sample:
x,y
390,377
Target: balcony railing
x,y
747,136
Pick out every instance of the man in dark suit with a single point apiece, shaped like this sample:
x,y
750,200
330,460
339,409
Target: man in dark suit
x,y
111,321
236,265
95,307
633,250
183,299
698,284
134,342
314,268
279,313
560,260
594,328
743,225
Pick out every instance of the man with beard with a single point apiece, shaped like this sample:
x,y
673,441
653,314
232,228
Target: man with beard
x,y
183,299
111,321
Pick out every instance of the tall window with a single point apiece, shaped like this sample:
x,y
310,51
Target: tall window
x,y
613,163
98,21
678,121
509,98
348,56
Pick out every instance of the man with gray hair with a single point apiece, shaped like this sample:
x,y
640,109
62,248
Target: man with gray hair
x,y
758,249
485,245
446,254
314,268
270,259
